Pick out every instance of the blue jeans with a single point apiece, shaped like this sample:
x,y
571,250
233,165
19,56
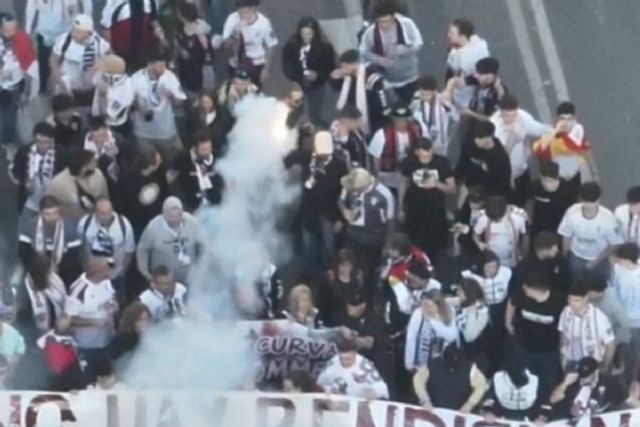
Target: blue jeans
x,y
9,105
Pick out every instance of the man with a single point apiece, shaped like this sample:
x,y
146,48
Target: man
x,y
79,185
19,76
235,89
486,162
113,98
400,253
199,182
361,86
477,96
349,140
74,58
174,239
532,316
193,47
515,128
34,166
502,228
132,28
68,126
590,234
249,36
51,235
585,331
157,90
568,146
628,216
466,49
165,297
434,112
393,43
406,294
107,234
350,374
391,144
548,199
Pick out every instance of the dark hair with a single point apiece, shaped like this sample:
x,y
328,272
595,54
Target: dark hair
x,y
488,65
48,202
302,380
472,291
97,123
628,251
484,130
464,26
188,11
349,57
130,316
37,267
157,55
487,257
590,192
384,8
578,289
594,283
78,159
566,108
401,242
633,195
201,136
545,240
427,83
160,270
549,169
61,102
104,367
44,129
423,144
145,157
477,194
496,207
309,22
346,345
536,280
350,112
508,102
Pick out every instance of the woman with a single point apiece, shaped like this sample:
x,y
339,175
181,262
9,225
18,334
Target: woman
x,y
343,278
472,319
208,114
432,326
300,308
135,319
308,59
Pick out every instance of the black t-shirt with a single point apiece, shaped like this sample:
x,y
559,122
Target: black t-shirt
x,y
548,207
536,323
489,168
439,168
555,269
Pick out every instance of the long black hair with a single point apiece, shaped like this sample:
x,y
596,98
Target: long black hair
x,y
309,22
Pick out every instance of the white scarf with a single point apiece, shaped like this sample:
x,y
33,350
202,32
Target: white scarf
x,y
203,172
58,240
437,129
179,243
361,95
41,166
590,344
109,147
55,294
114,105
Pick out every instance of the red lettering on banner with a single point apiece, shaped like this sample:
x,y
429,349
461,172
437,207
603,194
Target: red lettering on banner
x,y
168,414
320,406
141,412
113,411
411,415
625,420
15,408
264,403
66,411
486,424
365,418
392,412
219,410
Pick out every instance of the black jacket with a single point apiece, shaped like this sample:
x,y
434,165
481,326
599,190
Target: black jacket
x,y
218,128
187,183
193,53
321,59
490,168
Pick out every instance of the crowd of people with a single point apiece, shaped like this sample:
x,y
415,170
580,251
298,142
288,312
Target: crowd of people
x,y
494,282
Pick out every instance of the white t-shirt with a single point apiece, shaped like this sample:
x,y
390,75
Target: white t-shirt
x,y
503,236
462,60
626,284
355,381
113,241
11,73
495,289
435,124
628,224
258,37
589,237
73,71
586,335
91,301
162,307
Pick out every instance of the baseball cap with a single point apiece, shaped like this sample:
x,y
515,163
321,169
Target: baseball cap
x,y
83,23
587,366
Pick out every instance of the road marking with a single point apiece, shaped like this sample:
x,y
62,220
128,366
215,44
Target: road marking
x,y
528,57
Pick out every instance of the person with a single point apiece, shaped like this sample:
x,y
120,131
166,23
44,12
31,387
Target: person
x,y
250,38
391,144
132,28
502,228
134,321
79,186
113,97
548,199
431,327
568,146
343,278
351,374
19,77
515,128
349,140
197,178
106,379
165,298
493,278
12,345
68,125
73,60
466,49
465,383
53,236
34,166
628,216
157,90
299,381
486,162
472,320
300,308
308,59
427,180
174,239
92,306
434,112
585,331
513,394
407,294
193,47
368,209
209,114
236,88
531,318
590,234
393,43
399,253
361,86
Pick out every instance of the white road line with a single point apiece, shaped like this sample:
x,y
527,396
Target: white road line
x,y
528,57
550,50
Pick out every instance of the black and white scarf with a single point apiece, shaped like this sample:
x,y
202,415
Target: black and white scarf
x,y
46,304
317,169
58,249
204,171
41,166
179,243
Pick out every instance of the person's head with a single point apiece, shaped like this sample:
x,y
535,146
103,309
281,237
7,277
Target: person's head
x,y
156,63
292,95
207,101
38,267
546,245
399,246
508,106
99,130
43,137
357,181
550,175
487,71
477,198
496,207
105,374
344,263
566,116
350,62
460,31
247,9
588,370
299,381
300,302
322,145
384,15
489,264
516,368
148,160
355,303
82,163
188,12
8,25
135,318
536,286
400,116
483,137
350,117
590,197
103,212
633,199
241,82
172,211
424,151
427,87
63,107
469,291
417,275
347,352
162,281
596,285
49,210
82,29
97,269
628,254
452,356
309,31
433,305
578,299
202,144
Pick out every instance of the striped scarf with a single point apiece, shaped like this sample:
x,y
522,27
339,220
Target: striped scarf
x,y
89,55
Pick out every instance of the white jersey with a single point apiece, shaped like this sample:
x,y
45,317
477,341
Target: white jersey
x,y
113,98
78,61
409,299
258,37
628,224
589,237
434,119
586,335
356,381
165,307
503,236
495,288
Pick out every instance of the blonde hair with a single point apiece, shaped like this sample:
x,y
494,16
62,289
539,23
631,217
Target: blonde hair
x,y
295,295
444,309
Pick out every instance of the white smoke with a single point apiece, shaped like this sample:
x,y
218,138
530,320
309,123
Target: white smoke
x,y
206,351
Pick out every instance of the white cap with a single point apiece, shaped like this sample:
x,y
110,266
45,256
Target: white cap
x,y
323,143
49,415
83,23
